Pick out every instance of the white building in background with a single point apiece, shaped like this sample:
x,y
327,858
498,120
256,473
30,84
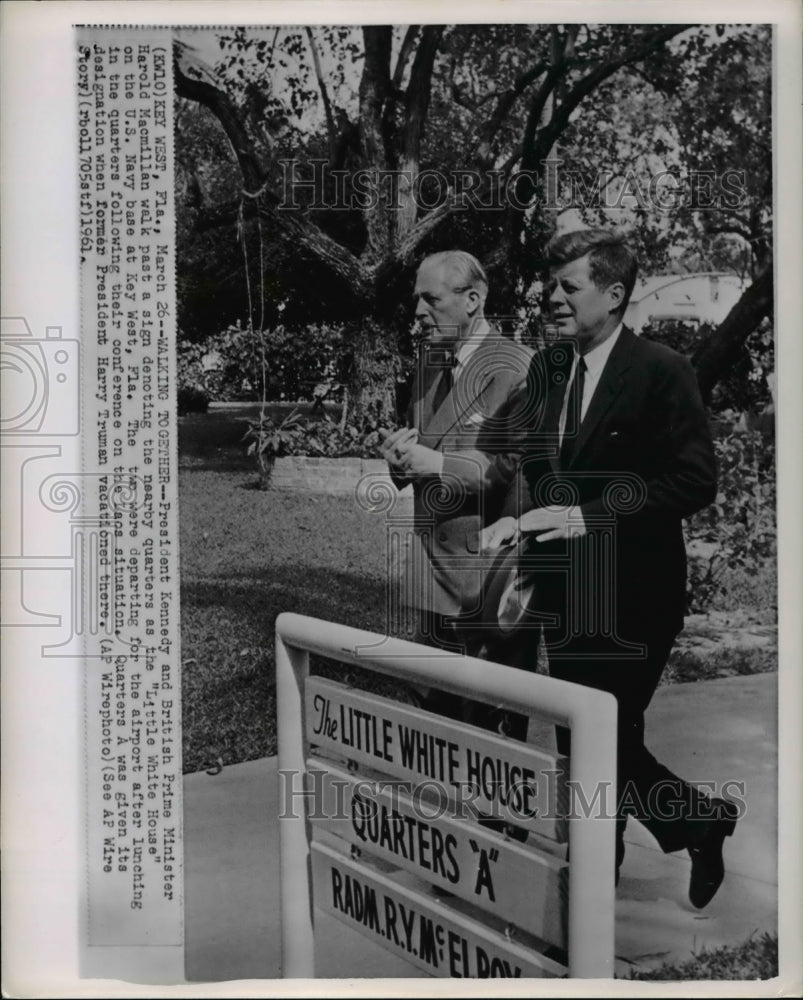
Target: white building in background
x,y
705,297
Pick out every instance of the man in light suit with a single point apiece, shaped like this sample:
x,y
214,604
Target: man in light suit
x,y
460,449
622,454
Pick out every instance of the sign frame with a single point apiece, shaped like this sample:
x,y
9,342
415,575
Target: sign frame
x,y
589,714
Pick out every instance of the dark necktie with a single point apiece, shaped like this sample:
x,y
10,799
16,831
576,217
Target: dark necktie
x,y
444,386
573,414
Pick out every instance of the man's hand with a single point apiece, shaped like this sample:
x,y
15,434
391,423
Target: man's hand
x,y
393,444
401,451
416,460
505,531
549,523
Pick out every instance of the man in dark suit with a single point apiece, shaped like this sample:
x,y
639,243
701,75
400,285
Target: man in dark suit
x,y
621,455
460,449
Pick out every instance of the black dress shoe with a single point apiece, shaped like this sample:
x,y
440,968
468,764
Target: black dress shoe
x,y
707,866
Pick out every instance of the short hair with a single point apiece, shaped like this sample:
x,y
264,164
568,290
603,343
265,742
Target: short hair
x,y
610,257
466,270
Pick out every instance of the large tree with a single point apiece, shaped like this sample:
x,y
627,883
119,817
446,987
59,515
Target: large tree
x,y
405,140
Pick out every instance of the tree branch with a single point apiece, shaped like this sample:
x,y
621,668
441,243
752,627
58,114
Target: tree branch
x,y
734,230
528,145
649,42
373,92
327,106
416,107
454,202
406,50
288,224
406,248
504,104
375,88
223,108
418,91
713,358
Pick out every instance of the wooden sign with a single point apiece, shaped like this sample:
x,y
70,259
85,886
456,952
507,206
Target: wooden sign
x,y
484,773
433,937
502,877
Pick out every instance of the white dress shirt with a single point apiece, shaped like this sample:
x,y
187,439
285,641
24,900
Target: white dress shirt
x,y
468,346
465,349
595,361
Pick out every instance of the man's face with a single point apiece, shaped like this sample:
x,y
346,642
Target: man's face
x,y
442,312
580,309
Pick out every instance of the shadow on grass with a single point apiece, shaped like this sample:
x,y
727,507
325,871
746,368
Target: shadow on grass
x,y
228,651
213,442
317,591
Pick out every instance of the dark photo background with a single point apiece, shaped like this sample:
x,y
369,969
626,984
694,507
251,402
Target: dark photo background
x,y
315,168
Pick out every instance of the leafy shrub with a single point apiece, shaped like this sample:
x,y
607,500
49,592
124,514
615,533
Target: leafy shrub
x,y
737,531
269,439
328,439
755,958
277,364
357,365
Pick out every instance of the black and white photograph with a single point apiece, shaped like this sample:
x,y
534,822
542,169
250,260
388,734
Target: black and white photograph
x,y
476,350
402,556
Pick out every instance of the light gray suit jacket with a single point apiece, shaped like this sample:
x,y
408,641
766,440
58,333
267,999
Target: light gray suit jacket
x,y
481,428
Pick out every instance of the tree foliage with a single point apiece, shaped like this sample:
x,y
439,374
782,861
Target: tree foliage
x,y
402,140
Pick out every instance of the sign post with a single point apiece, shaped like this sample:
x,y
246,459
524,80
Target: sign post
x,y
397,740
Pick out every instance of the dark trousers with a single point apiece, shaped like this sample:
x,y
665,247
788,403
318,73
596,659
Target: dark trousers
x,y
668,806
457,635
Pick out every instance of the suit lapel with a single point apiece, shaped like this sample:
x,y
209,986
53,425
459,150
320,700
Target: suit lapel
x,y
608,388
437,425
455,406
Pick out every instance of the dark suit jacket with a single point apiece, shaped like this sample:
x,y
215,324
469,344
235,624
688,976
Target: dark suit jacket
x,y
642,460
480,428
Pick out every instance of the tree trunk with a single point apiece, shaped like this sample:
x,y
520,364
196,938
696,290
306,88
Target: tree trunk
x,y
374,91
373,371
713,358
416,107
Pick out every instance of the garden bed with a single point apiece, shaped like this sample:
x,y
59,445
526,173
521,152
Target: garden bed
x,y
334,476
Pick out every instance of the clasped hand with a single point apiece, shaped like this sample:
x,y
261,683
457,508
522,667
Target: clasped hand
x,y
546,523
404,454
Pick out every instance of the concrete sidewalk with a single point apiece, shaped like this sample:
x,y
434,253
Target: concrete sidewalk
x,y
723,730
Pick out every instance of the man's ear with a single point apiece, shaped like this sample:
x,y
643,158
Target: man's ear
x,y
474,301
616,295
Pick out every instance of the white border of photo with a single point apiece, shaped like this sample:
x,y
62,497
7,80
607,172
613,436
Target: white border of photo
x,y
42,738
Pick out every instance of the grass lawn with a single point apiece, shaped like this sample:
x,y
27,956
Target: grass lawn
x,y
248,555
